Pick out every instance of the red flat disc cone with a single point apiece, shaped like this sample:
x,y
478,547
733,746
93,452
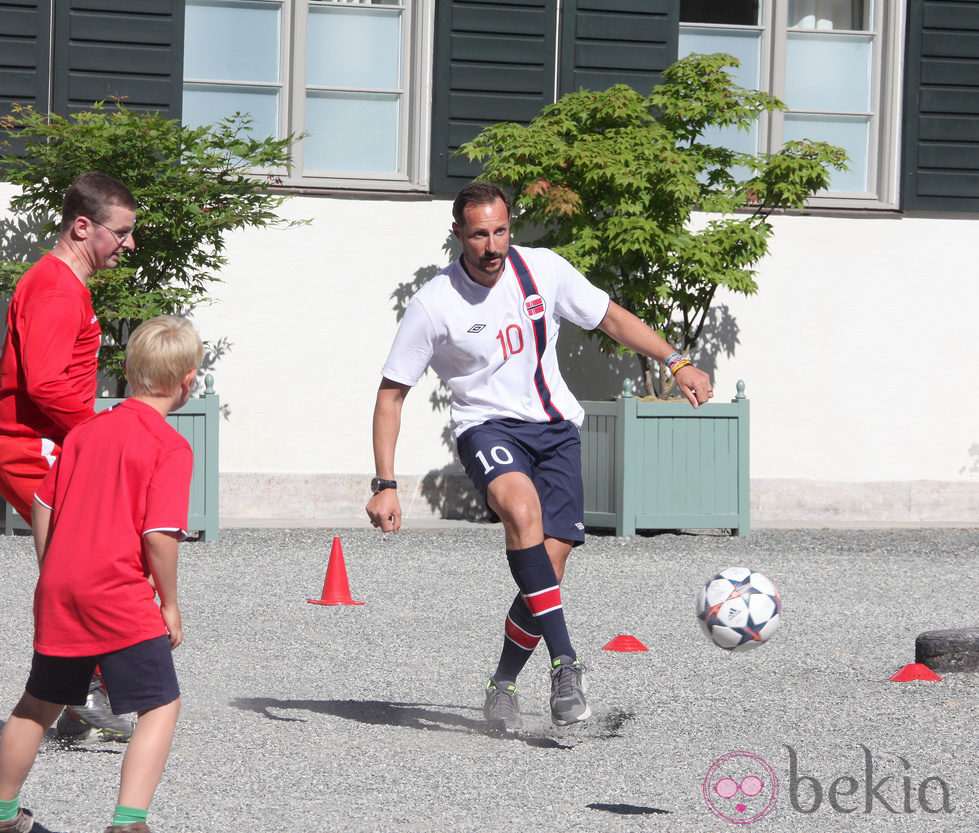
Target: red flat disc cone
x,y
624,642
914,671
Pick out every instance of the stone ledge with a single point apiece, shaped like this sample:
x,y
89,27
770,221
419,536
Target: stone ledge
x,y
447,493
902,502
307,498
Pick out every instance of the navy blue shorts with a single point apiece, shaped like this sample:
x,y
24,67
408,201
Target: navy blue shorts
x,y
549,453
137,678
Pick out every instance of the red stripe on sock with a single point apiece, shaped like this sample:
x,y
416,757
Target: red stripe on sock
x,y
544,601
513,631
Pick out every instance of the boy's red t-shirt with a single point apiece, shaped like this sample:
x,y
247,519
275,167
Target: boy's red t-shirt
x,y
122,473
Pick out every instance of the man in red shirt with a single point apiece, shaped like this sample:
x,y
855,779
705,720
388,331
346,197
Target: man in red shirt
x,y
50,353
49,361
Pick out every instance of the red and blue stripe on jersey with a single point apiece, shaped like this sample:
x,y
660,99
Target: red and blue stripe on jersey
x,y
529,287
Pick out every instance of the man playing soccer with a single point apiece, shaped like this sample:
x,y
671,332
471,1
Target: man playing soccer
x,y
488,326
49,362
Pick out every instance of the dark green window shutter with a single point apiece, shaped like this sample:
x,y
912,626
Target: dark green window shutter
x,y
940,160
25,27
24,44
607,42
494,61
106,49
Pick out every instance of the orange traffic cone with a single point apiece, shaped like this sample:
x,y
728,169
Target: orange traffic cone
x,y
625,642
336,590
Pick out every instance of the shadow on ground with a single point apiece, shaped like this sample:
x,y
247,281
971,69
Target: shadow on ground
x,y
423,716
40,828
627,809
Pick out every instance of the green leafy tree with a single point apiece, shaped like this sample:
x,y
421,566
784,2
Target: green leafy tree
x,y
611,181
193,186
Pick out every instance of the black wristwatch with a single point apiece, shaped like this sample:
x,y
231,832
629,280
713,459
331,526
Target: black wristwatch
x,y
379,485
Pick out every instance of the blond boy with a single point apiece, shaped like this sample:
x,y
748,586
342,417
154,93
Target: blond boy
x,y
106,519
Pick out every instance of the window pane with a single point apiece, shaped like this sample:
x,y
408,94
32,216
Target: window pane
x,y
733,139
354,48
831,14
829,72
849,132
355,132
735,12
205,104
232,41
746,47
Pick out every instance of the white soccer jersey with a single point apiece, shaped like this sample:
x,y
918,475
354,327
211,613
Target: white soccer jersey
x,y
496,347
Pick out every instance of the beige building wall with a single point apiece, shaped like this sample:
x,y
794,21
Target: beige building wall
x,y
858,353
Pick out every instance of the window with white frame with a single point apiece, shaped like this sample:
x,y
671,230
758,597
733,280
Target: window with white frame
x,y
351,75
835,64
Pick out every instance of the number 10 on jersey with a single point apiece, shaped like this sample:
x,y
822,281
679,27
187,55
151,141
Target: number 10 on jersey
x,y
511,339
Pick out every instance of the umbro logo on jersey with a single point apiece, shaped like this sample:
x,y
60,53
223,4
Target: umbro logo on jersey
x,y
534,307
476,328
580,526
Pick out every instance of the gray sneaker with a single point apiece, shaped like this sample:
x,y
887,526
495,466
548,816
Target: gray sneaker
x,y
502,708
568,686
97,714
68,727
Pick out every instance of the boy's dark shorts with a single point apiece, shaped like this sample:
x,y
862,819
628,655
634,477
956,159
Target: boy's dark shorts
x,y
549,453
137,678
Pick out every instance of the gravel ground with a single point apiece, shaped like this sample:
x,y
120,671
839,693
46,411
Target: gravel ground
x,y
300,717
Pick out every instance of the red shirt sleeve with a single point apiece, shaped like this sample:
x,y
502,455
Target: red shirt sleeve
x,y
49,329
168,495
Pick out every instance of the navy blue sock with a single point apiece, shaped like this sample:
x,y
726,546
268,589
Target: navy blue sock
x,y
521,635
534,574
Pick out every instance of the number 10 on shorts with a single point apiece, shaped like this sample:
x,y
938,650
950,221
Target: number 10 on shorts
x,y
500,454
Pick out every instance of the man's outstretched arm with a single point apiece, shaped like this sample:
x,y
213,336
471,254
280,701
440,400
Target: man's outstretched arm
x,y
632,332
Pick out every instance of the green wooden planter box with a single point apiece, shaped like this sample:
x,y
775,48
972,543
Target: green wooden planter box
x,y
198,422
664,465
